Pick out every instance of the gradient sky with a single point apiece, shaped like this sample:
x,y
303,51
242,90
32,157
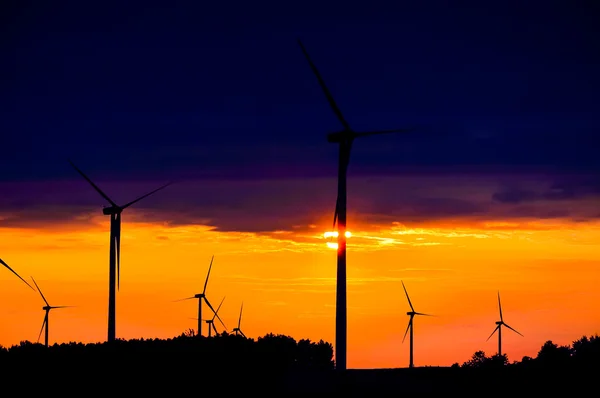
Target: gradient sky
x,y
497,191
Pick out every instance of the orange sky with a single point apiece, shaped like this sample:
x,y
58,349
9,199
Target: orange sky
x,y
547,273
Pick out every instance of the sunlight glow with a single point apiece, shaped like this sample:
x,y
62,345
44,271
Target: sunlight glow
x,y
334,234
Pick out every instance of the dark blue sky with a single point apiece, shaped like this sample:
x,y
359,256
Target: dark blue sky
x,y
196,88
181,90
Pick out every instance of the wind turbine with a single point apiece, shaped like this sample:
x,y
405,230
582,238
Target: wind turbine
x,y
202,296
114,211
15,272
410,326
211,322
499,325
238,330
46,308
344,138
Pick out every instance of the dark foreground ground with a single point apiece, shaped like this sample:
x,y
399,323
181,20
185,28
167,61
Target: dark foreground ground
x,y
175,379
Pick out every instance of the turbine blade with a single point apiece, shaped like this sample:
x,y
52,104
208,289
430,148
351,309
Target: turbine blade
x,y
146,195
346,150
217,314
335,214
345,153
63,306
105,196
208,274
330,99
497,327
500,307
407,328
514,330
41,294
209,305
379,132
118,248
14,272
240,319
420,313
219,307
43,325
242,333
187,298
409,303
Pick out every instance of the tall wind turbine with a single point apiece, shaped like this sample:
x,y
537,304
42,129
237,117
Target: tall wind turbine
x,y
46,308
238,330
114,211
410,326
211,322
344,138
499,325
15,272
202,296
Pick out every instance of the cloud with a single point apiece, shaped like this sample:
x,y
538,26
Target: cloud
x,y
300,209
560,189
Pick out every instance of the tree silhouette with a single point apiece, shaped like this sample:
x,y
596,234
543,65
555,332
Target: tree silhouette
x,y
553,355
278,363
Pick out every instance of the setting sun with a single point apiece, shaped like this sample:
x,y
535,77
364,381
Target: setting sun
x,y
334,234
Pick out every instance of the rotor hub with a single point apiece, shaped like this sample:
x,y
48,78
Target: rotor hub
x,y
109,210
340,136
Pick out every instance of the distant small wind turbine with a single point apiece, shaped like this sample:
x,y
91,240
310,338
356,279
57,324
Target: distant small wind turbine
x,y
202,296
114,211
412,314
344,138
499,325
211,322
238,330
14,272
46,308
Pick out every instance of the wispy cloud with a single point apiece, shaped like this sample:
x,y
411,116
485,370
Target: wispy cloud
x,y
292,209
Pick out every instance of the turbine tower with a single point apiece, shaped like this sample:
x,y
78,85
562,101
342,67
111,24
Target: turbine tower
x,y
410,326
114,211
46,308
345,139
499,325
211,322
201,297
238,330
15,272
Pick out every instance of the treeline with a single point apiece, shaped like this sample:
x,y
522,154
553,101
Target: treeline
x,y
182,360
583,353
190,364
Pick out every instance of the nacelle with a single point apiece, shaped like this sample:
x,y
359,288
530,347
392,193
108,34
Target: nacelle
x,y
110,210
340,136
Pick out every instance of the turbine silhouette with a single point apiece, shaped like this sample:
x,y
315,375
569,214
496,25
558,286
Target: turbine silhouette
x,y
15,272
238,329
114,211
410,326
344,138
211,322
498,328
202,296
47,309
